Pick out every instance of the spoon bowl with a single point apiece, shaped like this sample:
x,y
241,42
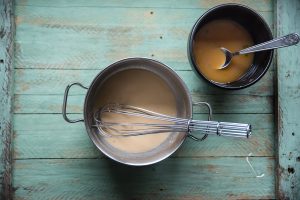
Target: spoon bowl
x,y
228,57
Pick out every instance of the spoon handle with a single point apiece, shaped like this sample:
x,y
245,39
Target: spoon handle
x,y
284,41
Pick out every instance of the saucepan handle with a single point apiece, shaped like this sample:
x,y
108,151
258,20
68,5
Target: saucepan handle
x,y
64,107
209,118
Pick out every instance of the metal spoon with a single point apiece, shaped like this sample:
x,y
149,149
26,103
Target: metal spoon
x,y
285,41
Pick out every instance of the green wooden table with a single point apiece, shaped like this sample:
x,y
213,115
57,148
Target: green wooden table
x,y
47,44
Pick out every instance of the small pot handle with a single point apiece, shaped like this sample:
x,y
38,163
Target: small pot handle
x,y
209,118
64,107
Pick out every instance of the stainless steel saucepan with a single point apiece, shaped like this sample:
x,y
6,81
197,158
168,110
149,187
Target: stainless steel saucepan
x,y
184,106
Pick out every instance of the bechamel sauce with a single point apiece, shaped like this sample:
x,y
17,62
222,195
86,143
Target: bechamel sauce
x,y
143,89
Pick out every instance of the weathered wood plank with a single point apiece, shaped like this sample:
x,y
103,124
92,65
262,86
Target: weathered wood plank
x,y
46,56
175,178
219,103
27,122
42,81
80,38
6,79
74,17
258,5
35,139
288,16
76,144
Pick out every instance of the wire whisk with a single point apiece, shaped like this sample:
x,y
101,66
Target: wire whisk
x,y
154,123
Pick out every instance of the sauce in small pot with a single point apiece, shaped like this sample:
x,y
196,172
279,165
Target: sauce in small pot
x,y
208,56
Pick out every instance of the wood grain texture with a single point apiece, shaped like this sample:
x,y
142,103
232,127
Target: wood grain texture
x,y
220,103
41,81
258,5
6,77
59,42
175,178
64,140
288,15
139,34
157,32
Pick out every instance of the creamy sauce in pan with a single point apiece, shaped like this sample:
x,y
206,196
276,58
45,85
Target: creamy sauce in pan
x,y
142,89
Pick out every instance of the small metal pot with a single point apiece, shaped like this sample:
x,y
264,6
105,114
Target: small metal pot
x,y
183,105
254,23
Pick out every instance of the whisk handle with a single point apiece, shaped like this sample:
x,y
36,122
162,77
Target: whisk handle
x,y
221,128
234,129
64,107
